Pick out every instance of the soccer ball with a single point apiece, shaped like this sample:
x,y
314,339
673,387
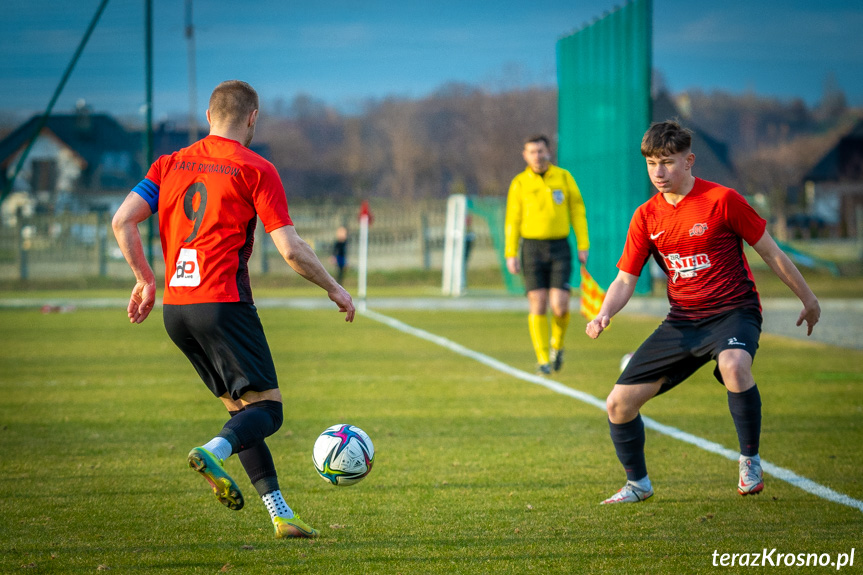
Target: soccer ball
x,y
343,454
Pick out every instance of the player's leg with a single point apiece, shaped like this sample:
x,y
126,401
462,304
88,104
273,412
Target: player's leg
x,y
664,360
744,403
253,422
738,336
180,323
627,434
239,352
561,271
258,463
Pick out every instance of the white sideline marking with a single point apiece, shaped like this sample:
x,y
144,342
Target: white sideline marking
x,y
779,472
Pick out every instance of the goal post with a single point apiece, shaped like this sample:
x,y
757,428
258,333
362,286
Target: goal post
x,y
487,209
454,271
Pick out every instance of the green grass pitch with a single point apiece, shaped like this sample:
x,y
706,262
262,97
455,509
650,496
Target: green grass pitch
x,y
475,472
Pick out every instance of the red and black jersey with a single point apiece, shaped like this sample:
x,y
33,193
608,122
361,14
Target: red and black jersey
x,y
209,197
699,245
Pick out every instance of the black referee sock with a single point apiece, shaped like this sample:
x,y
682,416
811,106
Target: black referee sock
x,y
628,439
745,410
250,426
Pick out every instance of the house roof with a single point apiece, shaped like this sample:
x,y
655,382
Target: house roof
x,y
88,135
842,161
711,156
91,135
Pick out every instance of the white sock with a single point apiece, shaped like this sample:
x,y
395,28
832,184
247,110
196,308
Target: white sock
x,y
220,447
643,483
276,505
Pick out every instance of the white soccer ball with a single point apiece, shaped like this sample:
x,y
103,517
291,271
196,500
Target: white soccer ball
x,y
343,454
624,361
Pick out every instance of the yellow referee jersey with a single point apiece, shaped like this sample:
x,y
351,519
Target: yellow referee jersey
x,y
543,208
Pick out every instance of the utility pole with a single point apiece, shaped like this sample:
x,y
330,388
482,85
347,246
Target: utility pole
x,y
148,144
193,90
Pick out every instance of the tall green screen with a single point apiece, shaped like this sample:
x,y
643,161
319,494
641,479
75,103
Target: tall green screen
x,y
604,108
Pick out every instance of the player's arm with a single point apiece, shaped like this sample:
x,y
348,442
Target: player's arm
x,y
302,258
617,296
132,212
785,269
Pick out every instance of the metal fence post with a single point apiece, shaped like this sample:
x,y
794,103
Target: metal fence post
x,y
102,242
424,241
24,241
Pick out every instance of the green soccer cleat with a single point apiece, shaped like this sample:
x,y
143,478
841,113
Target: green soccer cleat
x,y
224,487
292,527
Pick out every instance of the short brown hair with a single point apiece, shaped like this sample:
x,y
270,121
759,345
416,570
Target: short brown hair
x,y
665,139
232,101
537,138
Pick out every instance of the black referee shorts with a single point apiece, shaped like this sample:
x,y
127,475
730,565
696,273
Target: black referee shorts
x,y
678,348
225,343
546,264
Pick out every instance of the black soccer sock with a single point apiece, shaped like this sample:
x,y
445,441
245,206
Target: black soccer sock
x,y
250,426
628,439
745,410
259,466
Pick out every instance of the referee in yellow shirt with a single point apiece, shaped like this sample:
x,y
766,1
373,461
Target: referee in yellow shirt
x,y
542,204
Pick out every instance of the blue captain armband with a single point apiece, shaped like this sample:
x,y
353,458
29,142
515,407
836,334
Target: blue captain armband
x,y
148,190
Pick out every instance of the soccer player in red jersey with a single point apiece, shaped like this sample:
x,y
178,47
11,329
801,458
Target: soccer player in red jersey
x,y
209,197
695,230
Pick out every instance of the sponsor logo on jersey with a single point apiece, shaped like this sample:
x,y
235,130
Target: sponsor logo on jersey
x,y
685,266
698,230
187,272
656,235
557,196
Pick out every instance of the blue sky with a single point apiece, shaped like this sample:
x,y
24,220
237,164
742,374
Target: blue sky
x,y
346,52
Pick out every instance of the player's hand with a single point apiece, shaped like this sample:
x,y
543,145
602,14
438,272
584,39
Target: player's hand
x,y
597,326
513,265
142,301
810,314
342,298
582,256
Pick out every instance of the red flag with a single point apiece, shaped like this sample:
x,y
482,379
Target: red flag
x,y
365,211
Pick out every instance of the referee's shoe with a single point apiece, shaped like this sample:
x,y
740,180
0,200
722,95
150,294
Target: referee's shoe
x,y
555,358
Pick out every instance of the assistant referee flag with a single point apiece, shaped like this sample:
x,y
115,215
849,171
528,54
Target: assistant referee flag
x,y
591,295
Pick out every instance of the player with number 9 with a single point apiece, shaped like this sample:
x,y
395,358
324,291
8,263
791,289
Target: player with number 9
x,y
209,197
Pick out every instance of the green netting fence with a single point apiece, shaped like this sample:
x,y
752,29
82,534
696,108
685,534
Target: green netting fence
x,y
493,211
604,108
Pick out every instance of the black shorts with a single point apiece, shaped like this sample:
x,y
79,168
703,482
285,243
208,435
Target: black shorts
x,y
546,264
225,343
678,348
